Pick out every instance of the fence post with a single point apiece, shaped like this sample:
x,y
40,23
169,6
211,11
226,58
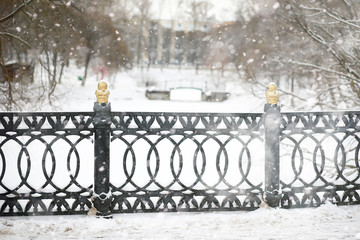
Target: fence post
x,y
272,120
102,196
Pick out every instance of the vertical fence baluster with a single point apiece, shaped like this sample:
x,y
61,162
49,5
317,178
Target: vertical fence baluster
x,y
102,120
272,120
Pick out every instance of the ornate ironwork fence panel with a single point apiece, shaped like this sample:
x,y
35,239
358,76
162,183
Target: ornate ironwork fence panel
x,y
175,161
320,152
186,161
46,163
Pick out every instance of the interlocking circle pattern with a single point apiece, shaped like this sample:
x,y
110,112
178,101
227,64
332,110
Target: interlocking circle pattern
x,y
175,161
180,160
322,158
43,162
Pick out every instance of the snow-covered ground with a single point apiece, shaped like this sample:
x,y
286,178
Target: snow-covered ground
x,y
326,222
127,93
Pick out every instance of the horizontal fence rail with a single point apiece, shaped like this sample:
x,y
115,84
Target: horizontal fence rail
x,y
173,161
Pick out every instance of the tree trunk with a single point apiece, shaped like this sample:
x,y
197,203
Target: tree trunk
x,y
10,99
52,78
292,89
87,62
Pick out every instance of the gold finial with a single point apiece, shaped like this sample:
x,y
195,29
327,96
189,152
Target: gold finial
x,y
102,94
272,95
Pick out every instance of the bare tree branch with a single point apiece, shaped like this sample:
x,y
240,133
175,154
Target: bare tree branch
x,y
15,37
13,13
282,90
337,18
324,69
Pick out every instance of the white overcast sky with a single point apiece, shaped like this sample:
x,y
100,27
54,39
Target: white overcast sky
x,y
223,10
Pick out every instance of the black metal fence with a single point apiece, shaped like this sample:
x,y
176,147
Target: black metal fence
x,y
63,163
41,155
321,154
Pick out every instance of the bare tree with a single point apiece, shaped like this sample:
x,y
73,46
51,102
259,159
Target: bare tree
x,y
54,33
102,40
298,45
10,11
200,15
142,22
334,27
170,35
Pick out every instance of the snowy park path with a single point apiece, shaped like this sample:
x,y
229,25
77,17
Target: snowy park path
x,y
325,222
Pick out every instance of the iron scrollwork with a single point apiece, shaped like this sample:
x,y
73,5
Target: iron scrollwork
x,y
323,155
179,179
175,161
42,160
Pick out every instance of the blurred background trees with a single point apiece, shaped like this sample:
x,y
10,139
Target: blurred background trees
x,y
307,47
50,36
333,28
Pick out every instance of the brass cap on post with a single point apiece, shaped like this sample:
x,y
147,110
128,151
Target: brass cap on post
x,y
272,95
102,94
